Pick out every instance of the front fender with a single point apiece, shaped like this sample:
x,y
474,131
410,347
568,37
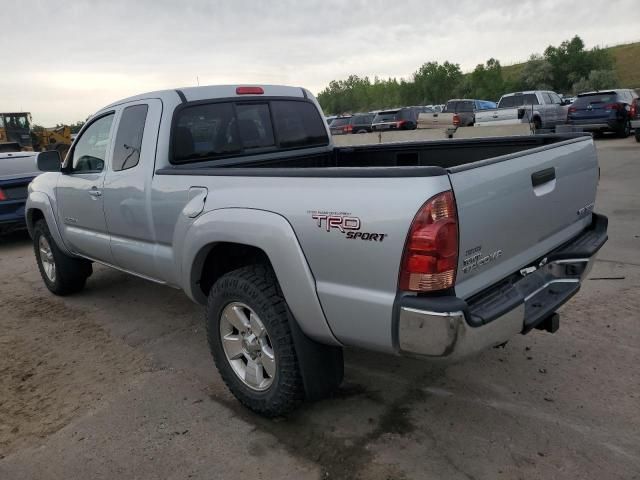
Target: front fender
x,y
41,201
269,232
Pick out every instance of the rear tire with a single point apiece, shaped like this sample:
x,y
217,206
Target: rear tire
x,y
625,130
62,274
251,343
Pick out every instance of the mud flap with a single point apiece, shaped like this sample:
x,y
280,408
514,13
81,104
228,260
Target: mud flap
x,y
321,366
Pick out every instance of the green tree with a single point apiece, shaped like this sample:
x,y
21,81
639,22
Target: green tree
x,y
435,83
537,74
571,62
597,80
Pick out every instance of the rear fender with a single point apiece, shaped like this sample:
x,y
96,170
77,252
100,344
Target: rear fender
x,y
269,232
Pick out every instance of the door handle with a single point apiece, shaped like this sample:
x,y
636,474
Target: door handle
x,y
543,176
94,192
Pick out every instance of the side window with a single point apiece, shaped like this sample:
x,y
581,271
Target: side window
x,y
126,152
298,124
507,102
254,126
547,98
90,151
530,99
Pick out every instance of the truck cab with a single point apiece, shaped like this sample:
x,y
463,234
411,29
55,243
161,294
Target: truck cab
x,y
15,131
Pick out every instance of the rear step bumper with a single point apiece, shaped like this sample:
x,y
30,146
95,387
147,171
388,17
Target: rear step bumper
x,y
452,328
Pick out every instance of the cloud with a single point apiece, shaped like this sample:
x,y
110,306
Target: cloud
x,y
67,61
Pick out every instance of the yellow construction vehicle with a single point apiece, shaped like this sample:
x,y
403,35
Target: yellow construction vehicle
x,y
15,132
55,138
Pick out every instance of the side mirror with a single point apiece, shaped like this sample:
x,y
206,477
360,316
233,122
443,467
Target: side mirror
x,y
49,161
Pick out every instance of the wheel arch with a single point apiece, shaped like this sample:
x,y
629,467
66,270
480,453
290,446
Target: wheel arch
x,y
39,207
225,239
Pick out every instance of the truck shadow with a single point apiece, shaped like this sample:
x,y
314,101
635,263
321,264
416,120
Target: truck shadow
x,y
14,237
373,402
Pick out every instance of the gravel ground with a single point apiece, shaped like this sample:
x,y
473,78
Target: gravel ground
x,y
117,382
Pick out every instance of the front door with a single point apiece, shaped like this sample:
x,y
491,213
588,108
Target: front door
x,y
79,191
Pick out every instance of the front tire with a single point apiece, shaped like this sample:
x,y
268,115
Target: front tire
x,y
62,274
251,343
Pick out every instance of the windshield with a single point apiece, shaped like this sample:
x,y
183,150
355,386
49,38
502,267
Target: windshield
x,y
389,116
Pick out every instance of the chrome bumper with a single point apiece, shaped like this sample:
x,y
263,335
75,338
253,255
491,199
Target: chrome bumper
x,y
461,332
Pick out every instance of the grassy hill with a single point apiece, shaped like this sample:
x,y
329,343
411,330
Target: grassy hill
x,y
626,58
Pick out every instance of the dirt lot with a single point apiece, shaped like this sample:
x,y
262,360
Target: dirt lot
x,y
117,382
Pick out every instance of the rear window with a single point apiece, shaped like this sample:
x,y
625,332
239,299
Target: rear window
x,y
389,116
223,129
459,106
595,98
518,100
361,119
340,122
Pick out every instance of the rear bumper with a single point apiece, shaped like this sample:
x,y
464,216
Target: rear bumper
x,y
452,328
597,126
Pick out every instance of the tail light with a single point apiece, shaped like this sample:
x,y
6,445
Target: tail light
x,y
430,257
249,91
612,106
400,123
634,108
3,196
348,128
572,109
456,121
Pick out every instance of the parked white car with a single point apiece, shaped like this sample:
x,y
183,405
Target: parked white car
x,y
540,108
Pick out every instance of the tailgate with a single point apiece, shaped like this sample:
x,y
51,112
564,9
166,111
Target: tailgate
x,y
514,209
435,120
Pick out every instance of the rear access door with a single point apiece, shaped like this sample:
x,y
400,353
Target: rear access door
x,y
514,209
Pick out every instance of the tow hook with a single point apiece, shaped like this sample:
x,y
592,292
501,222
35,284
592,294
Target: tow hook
x,y
550,324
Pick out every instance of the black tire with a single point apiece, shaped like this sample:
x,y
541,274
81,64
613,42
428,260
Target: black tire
x,y
70,273
256,286
638,134
625,130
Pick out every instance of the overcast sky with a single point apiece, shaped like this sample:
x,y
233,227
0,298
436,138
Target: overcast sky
x,y
63,60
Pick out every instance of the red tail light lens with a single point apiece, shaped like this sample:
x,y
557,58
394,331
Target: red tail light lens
x,y
430,257
634,108
612,106
456,121
400,123
3,196
249,91
572,109
348,128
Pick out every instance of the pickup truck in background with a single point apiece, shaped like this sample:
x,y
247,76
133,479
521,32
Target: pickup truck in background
x,y
542,109
457,113
17,169
298,248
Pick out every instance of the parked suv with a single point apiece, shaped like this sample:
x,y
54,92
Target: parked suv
x,y
603,111
399,119
358,123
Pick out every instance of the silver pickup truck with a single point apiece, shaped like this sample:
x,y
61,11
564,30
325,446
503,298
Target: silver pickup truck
x,y
540,108
297,248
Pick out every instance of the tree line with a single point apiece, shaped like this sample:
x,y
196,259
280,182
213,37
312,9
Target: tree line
x,y
566,68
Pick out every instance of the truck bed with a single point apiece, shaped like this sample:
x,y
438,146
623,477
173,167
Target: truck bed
x,y
444,154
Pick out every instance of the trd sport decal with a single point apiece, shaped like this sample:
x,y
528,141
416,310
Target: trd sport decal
x,y
344,223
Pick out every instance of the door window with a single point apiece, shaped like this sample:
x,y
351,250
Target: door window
x,y
126,153
90,151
